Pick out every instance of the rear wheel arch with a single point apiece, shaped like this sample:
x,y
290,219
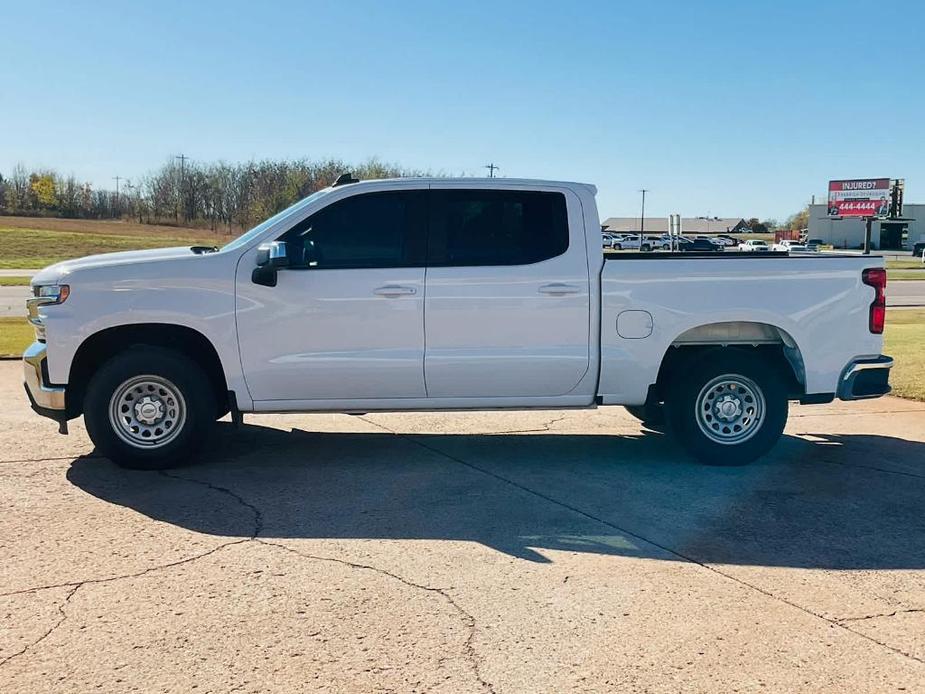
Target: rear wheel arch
x,y
106,344
773,344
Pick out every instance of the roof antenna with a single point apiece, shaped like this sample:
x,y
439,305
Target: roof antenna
x,y
345,178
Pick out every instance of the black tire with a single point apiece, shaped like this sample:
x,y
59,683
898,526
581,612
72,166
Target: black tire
x,y
617,247
175,371
646,248
686,417
652,415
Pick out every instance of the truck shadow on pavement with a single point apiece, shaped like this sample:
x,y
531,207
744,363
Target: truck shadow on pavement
x,y
834,502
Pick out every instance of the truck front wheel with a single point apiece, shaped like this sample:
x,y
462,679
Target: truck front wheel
x,y
728,407
149,408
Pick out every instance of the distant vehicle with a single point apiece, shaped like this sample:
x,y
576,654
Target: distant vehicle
x,y
607,240
701,245
753,245
625,242
732,240
789,245
711,237
723,240
653,242
814,244
918,250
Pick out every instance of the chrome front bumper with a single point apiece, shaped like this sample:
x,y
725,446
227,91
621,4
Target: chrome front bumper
x,y
47,400
866,378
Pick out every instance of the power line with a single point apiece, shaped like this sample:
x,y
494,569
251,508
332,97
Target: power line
x,y
642,218
182,158
116,206
491,169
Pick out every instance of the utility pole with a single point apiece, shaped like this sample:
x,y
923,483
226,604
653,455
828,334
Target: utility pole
x,y
642,218
115,207
491,169
182,158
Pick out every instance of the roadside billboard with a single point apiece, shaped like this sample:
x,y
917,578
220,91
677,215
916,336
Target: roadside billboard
x,y
860,197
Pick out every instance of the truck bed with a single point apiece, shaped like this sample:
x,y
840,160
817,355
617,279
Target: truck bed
x,y
814,304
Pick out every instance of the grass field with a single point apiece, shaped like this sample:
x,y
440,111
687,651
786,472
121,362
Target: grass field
x,y
27,242
905,270
14,281
905,342
15,335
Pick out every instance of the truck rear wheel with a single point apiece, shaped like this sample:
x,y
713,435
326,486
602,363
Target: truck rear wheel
x,y
149,408
728,408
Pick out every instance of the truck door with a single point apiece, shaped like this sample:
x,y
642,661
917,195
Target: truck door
x,y
346,319
507,307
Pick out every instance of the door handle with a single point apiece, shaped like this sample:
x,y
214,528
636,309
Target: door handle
x,y
559,289
394,290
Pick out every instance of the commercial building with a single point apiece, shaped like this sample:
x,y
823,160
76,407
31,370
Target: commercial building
x,y
886,234
689,225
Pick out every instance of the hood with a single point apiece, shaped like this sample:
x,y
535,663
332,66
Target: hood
x,y
56,272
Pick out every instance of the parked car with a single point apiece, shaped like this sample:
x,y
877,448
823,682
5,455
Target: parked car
x,y
918,250
718,240
701,245
650,242
421,294
729,240
626,242
607,240
654,242
814,244
789,246
754,245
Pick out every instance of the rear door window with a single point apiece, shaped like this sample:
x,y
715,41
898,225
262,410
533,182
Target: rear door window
x,y
496,227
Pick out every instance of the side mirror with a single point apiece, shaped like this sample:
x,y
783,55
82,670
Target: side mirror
x,y
274,255
270,258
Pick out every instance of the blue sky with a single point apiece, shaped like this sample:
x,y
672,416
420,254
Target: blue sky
x,y
727,108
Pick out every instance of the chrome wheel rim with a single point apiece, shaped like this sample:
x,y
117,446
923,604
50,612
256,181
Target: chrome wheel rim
x,y
147,411
730,409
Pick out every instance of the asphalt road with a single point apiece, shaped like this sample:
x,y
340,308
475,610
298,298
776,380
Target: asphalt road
x,y
906,293
484,552
13,301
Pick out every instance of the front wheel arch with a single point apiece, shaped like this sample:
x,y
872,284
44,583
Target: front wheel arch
x,y
109,342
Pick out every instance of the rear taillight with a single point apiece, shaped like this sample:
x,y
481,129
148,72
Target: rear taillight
x,y
876,277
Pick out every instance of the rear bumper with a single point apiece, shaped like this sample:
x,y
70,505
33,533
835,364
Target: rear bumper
x,y
47,400
865,378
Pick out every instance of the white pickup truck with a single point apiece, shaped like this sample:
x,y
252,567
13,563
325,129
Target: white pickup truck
x,y
448,294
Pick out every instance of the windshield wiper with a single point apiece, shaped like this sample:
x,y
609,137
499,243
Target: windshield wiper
x,y
199,250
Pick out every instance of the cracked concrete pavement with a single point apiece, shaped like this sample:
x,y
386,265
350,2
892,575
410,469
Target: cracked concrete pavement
x,y
483,552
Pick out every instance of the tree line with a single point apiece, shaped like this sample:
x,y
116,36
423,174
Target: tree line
x,y
219,196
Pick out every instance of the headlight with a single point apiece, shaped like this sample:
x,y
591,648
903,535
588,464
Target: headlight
x,y
51,293
45,295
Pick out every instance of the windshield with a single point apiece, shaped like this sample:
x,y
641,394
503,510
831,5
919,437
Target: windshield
x,y
246,237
